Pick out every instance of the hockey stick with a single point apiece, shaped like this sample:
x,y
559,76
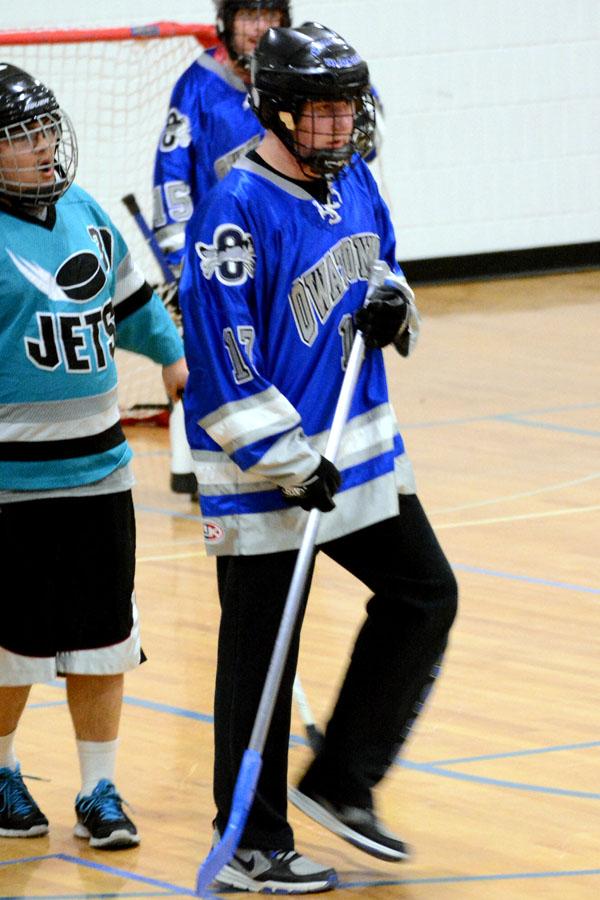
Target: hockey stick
x,y
248,775
133,207
313,735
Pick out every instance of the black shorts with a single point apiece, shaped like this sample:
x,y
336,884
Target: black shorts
x,y
70,564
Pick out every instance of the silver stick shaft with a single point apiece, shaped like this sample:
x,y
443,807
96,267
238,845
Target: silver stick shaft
x,y
305,553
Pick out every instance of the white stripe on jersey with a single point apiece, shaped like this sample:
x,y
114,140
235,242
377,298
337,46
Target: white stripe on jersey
x,y
129,280
243,422
60,431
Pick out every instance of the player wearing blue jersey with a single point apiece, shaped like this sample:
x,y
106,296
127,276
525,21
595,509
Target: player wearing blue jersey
x,y
209,125
278,258
70,294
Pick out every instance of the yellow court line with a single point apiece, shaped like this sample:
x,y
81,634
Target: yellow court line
x,y
507,497
174,542
170,556
541,515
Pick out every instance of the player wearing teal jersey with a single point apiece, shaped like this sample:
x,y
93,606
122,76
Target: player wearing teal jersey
x,y
70,294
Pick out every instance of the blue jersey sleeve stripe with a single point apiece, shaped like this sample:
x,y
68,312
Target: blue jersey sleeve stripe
x,y
269,501
398,445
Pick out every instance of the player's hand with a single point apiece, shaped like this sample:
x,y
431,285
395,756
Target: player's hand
x,y
175,378
385,317
318,490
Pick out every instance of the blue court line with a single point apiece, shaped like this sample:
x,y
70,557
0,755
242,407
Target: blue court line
x,y
169,710
102,896
559,748
124,873
550,426
427,767
552,410
460,567
430,769
519,416
29,859
175,890
466,879
526,579
46,705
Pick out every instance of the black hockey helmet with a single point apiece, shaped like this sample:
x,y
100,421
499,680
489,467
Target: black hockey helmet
x,y
38,148
226,11
292,66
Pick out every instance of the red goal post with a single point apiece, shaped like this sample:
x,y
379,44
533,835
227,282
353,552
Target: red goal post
x,y
115,84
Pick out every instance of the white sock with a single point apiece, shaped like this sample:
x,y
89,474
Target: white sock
x,y
97,760
8,760
181,455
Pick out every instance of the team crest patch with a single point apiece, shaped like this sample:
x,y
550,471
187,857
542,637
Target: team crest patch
x,y
177,131
230,257
213,533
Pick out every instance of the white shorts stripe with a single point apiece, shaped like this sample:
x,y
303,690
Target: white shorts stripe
x,y
18,670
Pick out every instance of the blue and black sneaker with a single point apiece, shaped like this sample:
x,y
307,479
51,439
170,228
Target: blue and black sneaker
x,y
101,819
20,816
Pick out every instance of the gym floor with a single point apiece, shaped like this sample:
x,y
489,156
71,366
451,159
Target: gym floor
x,y
498,790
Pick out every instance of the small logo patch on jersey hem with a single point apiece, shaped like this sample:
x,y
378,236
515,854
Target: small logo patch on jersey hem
x,y
213,533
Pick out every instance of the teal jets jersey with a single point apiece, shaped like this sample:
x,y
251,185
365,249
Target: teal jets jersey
x,y
69,294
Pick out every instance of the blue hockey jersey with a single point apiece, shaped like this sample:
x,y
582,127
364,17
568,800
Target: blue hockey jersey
x,y
270,284
209,125
70,294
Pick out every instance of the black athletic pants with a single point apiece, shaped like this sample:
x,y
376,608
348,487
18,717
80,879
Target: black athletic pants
x,y
403,637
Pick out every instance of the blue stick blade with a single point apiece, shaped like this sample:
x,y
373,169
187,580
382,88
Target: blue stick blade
x,y
243,798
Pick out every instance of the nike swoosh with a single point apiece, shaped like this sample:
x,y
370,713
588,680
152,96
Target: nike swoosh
x,y
248,866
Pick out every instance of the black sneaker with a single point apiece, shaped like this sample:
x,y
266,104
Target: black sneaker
x,y
276,872
359,827
20,816
100,818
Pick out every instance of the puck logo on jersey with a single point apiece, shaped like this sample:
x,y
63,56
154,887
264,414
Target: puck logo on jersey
x,y
230,257
177,132
83,275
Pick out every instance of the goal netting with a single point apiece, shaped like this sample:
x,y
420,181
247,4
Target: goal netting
x,y
115,84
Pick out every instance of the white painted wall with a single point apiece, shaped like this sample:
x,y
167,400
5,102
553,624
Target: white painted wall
x,y
492,109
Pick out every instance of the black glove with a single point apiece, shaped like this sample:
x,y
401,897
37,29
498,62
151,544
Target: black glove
x,y
383,317
318,490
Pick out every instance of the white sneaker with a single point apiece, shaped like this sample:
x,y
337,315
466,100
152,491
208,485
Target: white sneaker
x,y
276,872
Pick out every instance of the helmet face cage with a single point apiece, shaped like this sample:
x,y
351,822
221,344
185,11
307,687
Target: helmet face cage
x,y
38,159
326,135
339,131
241,24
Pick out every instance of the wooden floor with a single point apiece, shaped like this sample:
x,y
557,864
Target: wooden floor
x,y
499,788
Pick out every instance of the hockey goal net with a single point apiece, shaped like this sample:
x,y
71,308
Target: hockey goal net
x,y
115,84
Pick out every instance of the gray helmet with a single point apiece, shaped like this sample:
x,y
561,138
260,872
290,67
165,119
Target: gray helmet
x,y
291,66
30,118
